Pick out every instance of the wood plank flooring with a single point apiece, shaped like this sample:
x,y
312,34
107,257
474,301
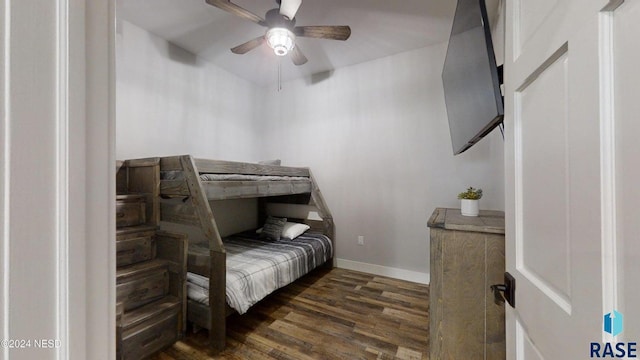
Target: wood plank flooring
x,y
328,314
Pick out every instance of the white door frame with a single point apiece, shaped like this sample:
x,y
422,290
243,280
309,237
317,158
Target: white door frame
x,y
98,152
78,77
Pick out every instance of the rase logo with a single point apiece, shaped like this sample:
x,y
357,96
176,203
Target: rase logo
x,y
613,324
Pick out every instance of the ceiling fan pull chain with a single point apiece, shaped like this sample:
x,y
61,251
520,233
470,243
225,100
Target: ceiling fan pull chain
x,y
279,74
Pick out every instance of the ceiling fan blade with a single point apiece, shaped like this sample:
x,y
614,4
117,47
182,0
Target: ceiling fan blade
x,y
298,57
289,8
323,32
234,9
248,46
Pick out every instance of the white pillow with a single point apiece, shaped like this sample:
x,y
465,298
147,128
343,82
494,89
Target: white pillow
x,y
293,230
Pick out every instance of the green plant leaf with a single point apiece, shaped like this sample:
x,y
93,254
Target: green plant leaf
x,y
471,194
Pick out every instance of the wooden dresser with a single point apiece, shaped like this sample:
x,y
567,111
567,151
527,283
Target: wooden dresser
x,y
467,257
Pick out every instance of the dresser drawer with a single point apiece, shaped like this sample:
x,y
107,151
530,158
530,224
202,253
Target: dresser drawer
x,y
141,290
130,210
135,247
150,336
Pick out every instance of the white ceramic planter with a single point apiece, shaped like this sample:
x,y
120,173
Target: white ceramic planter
x,y
469,207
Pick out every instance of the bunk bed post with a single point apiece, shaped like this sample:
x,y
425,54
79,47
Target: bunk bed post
x,y
217,300
217,271
262,210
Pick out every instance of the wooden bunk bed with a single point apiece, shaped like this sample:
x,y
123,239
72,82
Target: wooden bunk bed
x,y
181,201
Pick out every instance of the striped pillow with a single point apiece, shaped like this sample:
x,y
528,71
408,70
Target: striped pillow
x,y
272,229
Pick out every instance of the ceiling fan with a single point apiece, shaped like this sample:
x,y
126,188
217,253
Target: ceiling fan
x,y
281,30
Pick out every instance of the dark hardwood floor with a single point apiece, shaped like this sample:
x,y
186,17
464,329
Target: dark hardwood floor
x,y
328,314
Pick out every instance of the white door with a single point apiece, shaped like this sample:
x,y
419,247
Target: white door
x,y
562,61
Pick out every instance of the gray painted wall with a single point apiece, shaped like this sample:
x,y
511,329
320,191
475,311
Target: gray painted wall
x,y
170,102
374,134
377,139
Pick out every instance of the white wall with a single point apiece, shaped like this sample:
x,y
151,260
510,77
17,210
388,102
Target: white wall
x,y
376,137
170,102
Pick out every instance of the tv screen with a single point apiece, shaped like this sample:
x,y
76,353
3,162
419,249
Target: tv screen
x,y
470,77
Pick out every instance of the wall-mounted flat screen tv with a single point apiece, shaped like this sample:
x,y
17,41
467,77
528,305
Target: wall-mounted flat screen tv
x,y
470,77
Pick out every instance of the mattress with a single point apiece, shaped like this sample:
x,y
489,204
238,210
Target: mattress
x,y
242,177
178,175
256,268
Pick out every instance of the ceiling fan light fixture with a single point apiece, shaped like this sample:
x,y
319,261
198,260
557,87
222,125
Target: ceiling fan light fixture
x,y
281,40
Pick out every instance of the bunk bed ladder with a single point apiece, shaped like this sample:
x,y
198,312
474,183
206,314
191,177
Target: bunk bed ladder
x,y
151,266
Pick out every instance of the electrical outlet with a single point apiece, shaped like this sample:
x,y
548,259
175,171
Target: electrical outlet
x,y
360,240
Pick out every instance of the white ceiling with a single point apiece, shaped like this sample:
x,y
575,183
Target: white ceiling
x,y
379,28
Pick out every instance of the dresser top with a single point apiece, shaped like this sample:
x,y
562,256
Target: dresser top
x,y
489,221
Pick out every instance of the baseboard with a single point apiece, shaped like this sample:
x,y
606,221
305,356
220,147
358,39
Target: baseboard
x,y
401,274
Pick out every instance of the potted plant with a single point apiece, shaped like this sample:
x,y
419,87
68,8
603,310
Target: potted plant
x,y
469,201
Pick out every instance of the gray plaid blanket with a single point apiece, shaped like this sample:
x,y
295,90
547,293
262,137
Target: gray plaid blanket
x,y
256,268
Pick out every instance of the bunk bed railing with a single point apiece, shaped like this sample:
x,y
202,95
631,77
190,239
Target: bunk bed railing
x,y
300,181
